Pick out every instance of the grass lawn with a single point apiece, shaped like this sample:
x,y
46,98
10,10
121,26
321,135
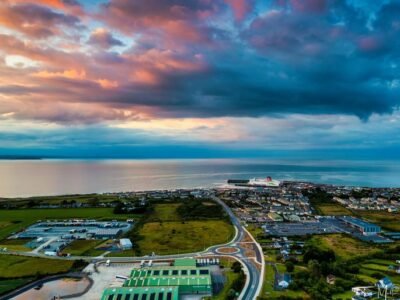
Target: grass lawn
x,y
268,286
22,218
83,247
15,244
12,266
385,219
8,285
344,246
332,209
181,237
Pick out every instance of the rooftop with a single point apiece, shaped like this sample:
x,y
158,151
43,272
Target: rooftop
x,y
148,293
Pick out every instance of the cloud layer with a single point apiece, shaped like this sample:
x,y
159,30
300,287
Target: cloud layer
x,y
121,61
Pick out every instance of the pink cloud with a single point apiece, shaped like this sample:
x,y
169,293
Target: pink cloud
x,y
36,21
240,8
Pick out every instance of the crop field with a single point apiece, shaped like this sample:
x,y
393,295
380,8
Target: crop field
x,y
334,209
344,246
22,218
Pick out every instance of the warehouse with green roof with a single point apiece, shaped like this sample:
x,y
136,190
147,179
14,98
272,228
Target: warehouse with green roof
x,y
184,277
141,293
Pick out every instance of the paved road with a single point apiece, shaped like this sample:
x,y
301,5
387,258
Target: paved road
x,y
255,275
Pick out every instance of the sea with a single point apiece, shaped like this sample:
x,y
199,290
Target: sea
x,y
25,178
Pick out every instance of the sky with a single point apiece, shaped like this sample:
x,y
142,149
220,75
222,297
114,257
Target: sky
x,y
200,78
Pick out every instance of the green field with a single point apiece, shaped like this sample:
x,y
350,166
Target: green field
x,y
344,246
22,218
83,247
8,285
15,244
16,271
179,237
165,230
165,212
333,209
385,219
371,268
60,199
13,266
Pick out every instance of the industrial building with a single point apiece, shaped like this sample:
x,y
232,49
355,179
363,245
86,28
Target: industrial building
x,y
164,282
75,229
141,293
364,227
125,244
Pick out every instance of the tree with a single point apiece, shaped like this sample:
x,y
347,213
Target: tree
x,y
236,267
289,266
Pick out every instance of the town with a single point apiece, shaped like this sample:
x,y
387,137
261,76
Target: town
x,y
299,226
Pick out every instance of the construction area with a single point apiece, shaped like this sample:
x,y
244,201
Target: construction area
x,y
182,279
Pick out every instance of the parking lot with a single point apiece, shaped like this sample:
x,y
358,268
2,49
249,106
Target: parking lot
x,y
299,228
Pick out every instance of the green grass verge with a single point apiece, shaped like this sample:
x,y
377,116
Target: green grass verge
x,y
15,244
83,247
12,266
7,285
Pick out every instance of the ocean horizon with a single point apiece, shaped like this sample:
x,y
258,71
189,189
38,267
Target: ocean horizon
x,y
26,178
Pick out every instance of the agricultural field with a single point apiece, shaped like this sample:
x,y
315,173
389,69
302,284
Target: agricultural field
x,y
334,209
343,246
22,218
385,219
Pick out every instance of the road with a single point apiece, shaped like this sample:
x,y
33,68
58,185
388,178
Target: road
x,y
254,266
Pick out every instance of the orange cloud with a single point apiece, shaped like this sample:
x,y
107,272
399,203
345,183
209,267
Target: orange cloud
x,y
107,84
70,74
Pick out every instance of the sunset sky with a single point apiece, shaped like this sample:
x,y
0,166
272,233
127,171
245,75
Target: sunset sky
x,y
200,78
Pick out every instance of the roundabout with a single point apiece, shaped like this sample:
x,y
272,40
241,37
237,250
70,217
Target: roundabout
x,y
227,250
